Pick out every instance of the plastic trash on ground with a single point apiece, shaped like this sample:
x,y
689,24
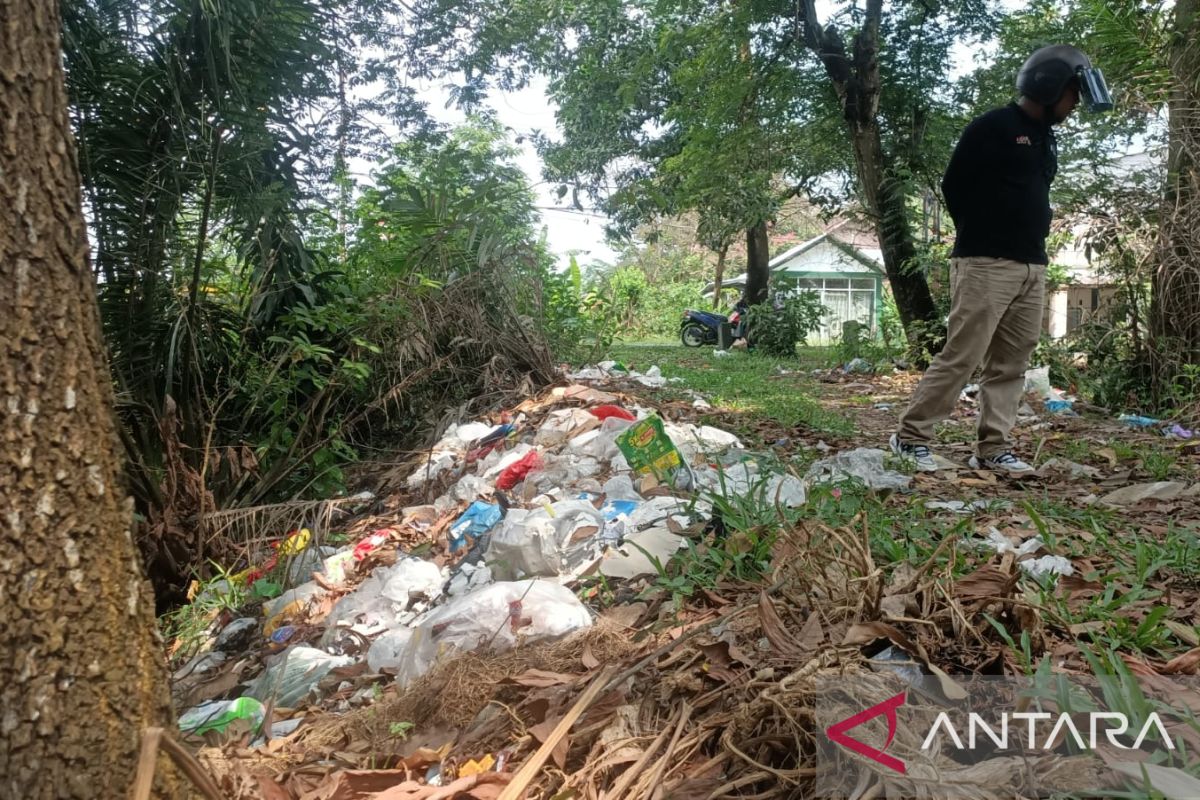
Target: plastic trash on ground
x,y
864,464
387,651
516,472
497,461
1177,431
1070,468
468,578
858,366
430,470
1060,407
1001,544
648,449
293,601
620,487
1135,421
293,674
1037,382
609,411
216,716
478,519
652,378
561,425
411,579
236,635
470,488
1039,568
639,552
495,617
544,542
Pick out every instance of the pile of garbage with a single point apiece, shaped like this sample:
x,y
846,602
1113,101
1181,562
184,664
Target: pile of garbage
x,y
575,485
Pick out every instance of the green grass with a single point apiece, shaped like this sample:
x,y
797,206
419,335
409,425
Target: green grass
x,y
746,384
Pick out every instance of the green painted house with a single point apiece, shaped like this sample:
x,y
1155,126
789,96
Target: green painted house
x,y
845,270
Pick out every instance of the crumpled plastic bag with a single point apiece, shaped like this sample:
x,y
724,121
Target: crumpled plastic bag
x,y
544,542
293,674
514,473
864,464
495,618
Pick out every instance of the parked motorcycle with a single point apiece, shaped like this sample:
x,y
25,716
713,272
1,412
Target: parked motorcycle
x,y
699,328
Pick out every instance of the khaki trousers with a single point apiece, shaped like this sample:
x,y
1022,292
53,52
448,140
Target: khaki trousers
x,y
995,319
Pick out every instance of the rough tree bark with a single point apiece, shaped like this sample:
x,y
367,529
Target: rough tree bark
x,y
720,276
1175,301
81,665
758,257
855,79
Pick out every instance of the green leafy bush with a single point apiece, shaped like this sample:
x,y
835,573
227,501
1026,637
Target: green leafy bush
x,y
776,326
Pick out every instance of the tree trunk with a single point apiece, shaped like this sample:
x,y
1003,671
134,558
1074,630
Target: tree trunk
x,y
758,257
1175,299
720,276
857,84
81,664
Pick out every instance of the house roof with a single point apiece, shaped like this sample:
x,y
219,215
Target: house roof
x,y
869,257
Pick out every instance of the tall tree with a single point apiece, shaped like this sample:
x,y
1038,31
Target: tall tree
x,y
857,82
675,106
1175,309
81,667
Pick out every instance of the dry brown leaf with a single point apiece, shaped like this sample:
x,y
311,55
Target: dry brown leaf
x,y
538,678
773,628
1185,664
987,581
1186,633
812,635
625,616
542,732
1109,455
588,658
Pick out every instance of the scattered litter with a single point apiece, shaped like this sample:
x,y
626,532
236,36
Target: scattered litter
x,y
969,393
959,506
1063,466
858,366
640,552
549,541
516,472
1061,407
1139,492
387,651
1177,431
236,635
1039,568
606,411
1037,382
863,464
883,406
216,716
653,378
293,674
1135,421
721,353
649,450
1001,544
492,618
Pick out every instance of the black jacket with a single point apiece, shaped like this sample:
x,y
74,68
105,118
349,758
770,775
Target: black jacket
x,y
997,187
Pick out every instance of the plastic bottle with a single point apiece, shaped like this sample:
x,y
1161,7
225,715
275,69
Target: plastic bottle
x,y
1134,421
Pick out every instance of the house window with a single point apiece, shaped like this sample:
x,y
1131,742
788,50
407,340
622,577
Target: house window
x,y
844,299
1074,317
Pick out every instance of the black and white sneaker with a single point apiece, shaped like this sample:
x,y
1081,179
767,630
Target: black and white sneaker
x,y
1001,462
919,454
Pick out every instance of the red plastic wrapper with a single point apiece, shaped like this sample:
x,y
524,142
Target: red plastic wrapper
x,y
515,473
604,412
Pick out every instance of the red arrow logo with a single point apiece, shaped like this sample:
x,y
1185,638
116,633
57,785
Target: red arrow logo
x,y
888,707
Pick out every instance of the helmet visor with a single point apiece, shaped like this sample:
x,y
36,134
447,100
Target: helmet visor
x,y
1094,89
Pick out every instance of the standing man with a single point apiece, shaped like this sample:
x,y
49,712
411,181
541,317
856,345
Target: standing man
x,y
997,190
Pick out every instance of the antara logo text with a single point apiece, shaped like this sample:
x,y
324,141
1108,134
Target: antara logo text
x,y
1101,726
